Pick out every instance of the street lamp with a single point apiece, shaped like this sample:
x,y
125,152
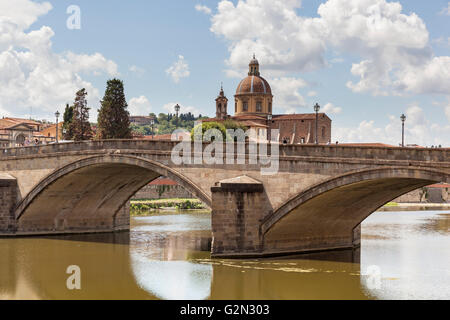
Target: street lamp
x,y
57,114
152,123
317,109
269,134
177,110
403,118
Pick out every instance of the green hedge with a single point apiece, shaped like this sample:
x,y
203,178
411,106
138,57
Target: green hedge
x,y
182,204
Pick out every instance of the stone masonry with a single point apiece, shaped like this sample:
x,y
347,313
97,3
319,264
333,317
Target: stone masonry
x,y
315,201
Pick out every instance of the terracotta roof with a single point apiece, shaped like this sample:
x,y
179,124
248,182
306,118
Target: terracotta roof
x,y
297,116
249,117
439,185
162,136
19,120
163,181
253,84
376,144
249,123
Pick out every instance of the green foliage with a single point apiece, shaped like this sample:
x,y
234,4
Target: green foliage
x,y
113,116
80,128
168,123
141,130
68,117
142,207
234,125
205,126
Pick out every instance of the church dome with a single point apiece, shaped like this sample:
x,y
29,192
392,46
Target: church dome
x,y
253,84
253,94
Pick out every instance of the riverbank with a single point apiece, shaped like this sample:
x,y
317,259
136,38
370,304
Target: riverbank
x,y
394,206
148,206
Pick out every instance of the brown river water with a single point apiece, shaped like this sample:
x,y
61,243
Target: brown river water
x,y
404,255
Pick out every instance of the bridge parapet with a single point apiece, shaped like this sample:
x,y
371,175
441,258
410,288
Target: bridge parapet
x,y
322,151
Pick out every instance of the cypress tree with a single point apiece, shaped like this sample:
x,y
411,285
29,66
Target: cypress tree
x,y
113,116
80,126
68,116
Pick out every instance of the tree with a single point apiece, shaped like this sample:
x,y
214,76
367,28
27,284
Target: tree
x,y
205,126
67,129
113,116
80,126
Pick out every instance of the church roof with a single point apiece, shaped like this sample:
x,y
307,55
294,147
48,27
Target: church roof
x,y
298,116
253,84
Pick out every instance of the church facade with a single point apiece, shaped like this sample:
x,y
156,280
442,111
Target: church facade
x,y
253,102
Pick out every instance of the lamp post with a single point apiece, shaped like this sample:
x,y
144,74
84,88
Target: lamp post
x,y
403,118
57,116
317,109
177,110
152,123
269,133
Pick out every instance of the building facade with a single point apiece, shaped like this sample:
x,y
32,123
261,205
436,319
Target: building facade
x,y
253,104
16,132
141,120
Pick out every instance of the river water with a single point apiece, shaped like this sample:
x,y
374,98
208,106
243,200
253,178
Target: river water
x,y
404,255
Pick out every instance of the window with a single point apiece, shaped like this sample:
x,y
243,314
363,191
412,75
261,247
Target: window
x,y
245,106
270,107
258,106
324,130
235,107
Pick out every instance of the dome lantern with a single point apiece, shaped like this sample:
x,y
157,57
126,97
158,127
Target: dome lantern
x,y
253,67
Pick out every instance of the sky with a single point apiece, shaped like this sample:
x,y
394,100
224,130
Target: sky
x,y
364,61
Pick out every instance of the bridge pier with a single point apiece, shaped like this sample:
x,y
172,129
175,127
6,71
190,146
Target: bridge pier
x,y
238,207
8,200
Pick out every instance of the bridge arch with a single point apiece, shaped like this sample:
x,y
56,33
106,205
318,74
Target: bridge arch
x,y
88,194
327,214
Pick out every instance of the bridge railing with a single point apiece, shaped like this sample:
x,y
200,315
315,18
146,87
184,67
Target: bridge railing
x,y
304,150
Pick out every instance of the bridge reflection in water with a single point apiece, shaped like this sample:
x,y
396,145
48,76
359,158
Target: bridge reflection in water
x,y
167,257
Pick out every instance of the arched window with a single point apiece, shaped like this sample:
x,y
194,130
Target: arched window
x,y
324,131
258,106
235,107
270,107
245,106
20,139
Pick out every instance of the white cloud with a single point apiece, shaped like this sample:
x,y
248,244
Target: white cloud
x,y
375,30
442,41
203,9
447,111
31,74
24,12
446,10
139,106
418,130
312,94
288,97
281,40
331,109
179,69
170,107
136,69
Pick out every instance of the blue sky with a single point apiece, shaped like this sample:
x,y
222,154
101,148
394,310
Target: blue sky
x,y
366,62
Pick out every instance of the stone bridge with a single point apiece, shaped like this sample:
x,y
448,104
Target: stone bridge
x,y
315,202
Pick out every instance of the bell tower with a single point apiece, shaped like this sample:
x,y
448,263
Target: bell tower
x,y
221,105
